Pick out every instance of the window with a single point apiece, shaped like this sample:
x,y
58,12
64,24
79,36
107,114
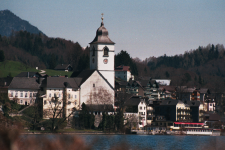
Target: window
x,y
69,102
59,95
49,102
34,94
16,94
54,95
50,95
21,101
21,94
45,102
30,94
210,104
106,51
75,103
25,94
93,51
11,94
75,96
93,85
69,96
140,108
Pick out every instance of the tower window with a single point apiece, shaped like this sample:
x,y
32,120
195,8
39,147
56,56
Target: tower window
x,y
106,51
93,51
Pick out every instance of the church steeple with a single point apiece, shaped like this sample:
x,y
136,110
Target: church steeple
x,y
102,54
102,35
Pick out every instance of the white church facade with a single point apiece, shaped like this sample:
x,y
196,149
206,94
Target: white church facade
x,y
101,76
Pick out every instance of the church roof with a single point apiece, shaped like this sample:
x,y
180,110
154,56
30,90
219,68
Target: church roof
x,y
85,74
102,36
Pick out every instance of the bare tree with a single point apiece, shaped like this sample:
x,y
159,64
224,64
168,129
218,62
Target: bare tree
x,y
56,109
100,96
132,121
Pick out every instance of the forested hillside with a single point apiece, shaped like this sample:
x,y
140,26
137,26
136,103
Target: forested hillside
x,y
42,51
202,67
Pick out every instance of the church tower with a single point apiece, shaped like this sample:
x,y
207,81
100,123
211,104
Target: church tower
x,y
102,54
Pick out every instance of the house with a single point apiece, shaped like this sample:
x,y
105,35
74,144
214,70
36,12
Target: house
x,y
197,112
174,110
123,72
209,104
135,88
61,93
4,84
64,67
24,90
163,81
120,85
168,92
151,89
184,93
135,111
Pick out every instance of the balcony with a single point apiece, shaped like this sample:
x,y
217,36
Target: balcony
x,y
184,115
181,109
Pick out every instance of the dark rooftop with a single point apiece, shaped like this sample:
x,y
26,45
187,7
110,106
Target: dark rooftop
x,y
102,36
100,107
24,83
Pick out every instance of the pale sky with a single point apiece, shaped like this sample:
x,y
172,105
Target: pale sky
x,y
143,28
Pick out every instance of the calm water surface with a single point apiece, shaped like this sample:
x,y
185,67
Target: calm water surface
x,y
166,142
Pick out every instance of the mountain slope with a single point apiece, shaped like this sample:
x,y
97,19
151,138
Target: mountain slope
x,y
10,22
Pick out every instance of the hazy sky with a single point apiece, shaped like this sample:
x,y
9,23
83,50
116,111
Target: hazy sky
x,y
143,28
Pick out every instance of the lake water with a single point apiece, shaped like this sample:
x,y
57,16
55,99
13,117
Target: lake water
x,y
167,142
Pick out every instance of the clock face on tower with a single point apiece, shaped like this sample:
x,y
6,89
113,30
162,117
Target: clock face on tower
x,y
105,61
93,60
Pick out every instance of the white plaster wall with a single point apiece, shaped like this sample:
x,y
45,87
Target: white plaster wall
x,y
74,97
143,111
87,87
99,64
110,76
28,99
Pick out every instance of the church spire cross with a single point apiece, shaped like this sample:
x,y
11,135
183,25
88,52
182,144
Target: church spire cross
x,y
102,17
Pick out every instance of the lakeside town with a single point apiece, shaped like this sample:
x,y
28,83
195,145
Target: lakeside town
x,y
110,98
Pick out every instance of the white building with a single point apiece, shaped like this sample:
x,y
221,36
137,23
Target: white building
x,y
136,107
101,75
24,90
123,72
65,90
102,54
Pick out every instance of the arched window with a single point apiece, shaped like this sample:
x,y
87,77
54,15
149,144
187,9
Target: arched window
x,y
93,51
106,51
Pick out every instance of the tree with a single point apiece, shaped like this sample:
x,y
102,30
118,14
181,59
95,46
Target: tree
x,y
2,56
100,96
57,111
123,58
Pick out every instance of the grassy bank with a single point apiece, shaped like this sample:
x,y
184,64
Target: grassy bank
x,y
13,68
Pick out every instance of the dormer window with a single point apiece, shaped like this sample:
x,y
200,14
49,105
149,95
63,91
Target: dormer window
x,y
93,51
106,52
